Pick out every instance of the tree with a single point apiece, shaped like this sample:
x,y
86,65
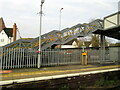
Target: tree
x,y
95,41
116,44
79,43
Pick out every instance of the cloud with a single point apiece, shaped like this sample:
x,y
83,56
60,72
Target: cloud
x,y
24,13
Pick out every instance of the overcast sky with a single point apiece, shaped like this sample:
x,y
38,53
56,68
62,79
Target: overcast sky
x,y
24,13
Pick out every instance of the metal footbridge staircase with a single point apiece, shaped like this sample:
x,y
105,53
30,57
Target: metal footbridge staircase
x,y
57,37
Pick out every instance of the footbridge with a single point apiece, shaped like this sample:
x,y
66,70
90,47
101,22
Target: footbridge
x,y
109,26
56,37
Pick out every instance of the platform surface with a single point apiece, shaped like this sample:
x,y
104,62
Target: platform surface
x,y
50,71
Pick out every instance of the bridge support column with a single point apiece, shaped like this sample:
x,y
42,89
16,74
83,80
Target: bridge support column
x,y
102,49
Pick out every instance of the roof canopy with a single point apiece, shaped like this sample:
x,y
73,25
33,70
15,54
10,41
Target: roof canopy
x,y
113,32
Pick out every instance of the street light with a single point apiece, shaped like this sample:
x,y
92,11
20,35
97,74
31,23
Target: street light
x,y
60,19
39,59
60,24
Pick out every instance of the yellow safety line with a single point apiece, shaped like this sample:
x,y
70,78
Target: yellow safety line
x,y
55,71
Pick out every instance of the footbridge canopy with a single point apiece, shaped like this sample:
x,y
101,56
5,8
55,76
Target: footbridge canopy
x,y
113,32
111,26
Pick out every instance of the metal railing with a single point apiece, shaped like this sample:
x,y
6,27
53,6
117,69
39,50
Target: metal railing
x,y
61,57
18,58
94,55
11,58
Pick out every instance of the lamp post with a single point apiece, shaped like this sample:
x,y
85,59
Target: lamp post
x,y
60,24
39,51
60,19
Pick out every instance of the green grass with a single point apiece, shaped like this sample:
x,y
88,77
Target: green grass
x,y
65,87
106,81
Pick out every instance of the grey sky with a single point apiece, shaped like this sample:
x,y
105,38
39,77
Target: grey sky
x,y
24,13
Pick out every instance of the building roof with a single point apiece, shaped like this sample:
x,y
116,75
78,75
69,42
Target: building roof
x,y
9,32
2,24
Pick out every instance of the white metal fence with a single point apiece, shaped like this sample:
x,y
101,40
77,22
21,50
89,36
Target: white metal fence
x,y
11,58
60,57
18,58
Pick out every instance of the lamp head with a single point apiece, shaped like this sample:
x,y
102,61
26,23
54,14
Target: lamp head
x,y
42,1
61,9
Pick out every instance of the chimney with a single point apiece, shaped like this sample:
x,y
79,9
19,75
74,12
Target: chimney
x,y
14,31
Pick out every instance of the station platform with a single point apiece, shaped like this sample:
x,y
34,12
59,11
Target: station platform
x,y
45,73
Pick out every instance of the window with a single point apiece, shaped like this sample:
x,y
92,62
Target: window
x,y
2,40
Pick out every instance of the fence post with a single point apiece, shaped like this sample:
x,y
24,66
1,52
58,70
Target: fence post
x,y
1,54
118,55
